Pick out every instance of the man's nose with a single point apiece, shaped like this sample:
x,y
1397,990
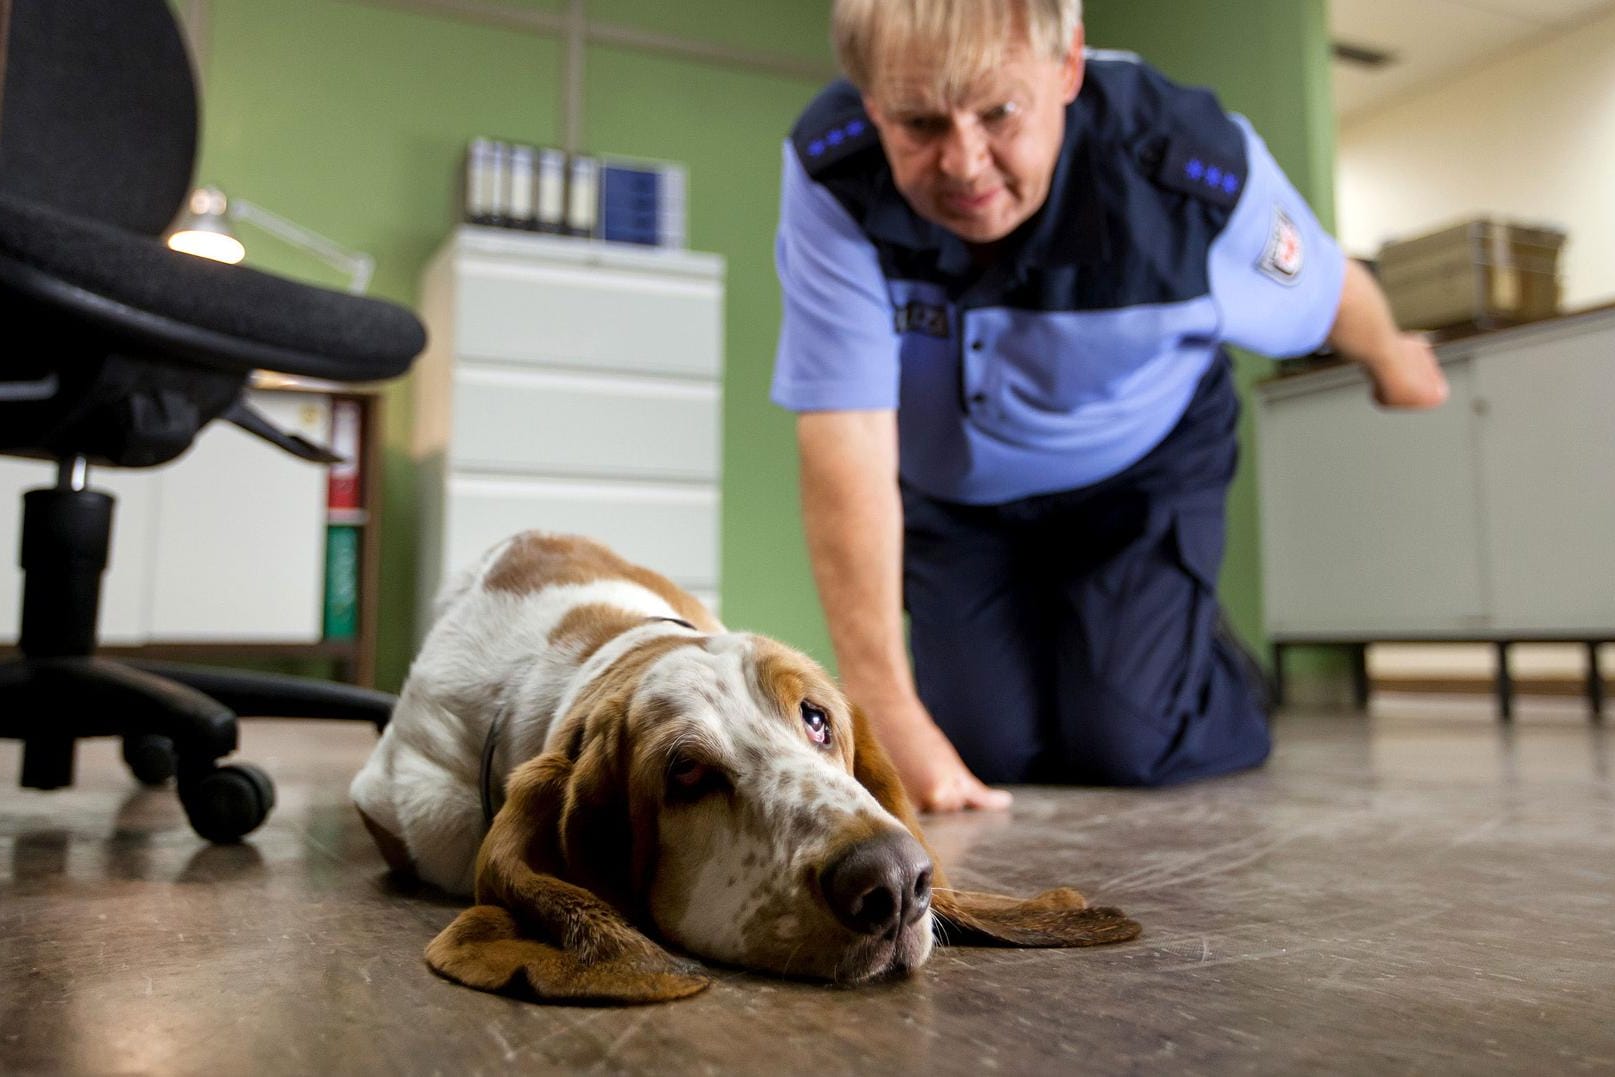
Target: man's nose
x,y
964,151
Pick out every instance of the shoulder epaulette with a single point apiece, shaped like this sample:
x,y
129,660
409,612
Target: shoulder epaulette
x,y
1186,141
1201,171
834,128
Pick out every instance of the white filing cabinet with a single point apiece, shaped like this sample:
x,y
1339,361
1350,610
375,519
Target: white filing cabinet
x,y
1492,518
570,385
224,545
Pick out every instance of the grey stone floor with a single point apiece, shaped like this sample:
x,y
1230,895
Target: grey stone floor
x,y
1422,891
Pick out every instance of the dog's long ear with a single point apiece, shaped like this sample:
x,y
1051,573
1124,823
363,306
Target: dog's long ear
x,y
535,934
1053,918
873,769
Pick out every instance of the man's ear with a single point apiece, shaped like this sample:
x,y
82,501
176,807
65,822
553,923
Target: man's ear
x,y
535,934
1075,66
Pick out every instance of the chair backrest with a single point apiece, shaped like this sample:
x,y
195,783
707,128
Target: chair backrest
x,y
98,112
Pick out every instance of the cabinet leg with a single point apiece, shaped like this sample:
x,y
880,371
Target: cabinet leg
x,y
1505,684
1278,675
1595,684
1359,675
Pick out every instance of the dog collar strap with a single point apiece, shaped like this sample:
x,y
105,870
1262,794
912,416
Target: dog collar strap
x,y
492,795
675,621
487,783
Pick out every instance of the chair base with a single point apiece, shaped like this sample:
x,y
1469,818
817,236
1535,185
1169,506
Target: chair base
x,y
277,695
175,720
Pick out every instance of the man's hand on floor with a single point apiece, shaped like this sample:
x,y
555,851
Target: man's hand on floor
x,y
936,779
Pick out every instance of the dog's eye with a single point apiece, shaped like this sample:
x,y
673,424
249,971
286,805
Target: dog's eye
x,y
686,773
690,780
817,722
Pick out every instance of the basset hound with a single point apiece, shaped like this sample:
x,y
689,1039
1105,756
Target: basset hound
x,y
586,749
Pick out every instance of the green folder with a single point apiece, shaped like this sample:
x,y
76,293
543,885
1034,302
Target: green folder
x,y
341,581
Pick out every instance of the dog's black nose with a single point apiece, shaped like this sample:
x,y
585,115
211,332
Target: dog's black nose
x,y
880,884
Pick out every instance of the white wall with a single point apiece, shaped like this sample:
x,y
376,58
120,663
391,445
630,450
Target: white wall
x,y
1529,136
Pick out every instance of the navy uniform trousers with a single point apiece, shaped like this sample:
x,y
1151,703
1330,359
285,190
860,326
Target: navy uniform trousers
x,y
1076,637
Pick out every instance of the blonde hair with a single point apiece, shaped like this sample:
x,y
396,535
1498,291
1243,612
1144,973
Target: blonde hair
x,y
967,38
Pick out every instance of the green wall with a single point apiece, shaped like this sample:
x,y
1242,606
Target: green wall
x,y
350,117
1269,60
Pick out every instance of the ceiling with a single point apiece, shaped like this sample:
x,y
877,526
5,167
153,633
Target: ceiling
x,y
1433,40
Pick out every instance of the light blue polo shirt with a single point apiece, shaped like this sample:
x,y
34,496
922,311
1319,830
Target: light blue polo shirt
x,y
1169,230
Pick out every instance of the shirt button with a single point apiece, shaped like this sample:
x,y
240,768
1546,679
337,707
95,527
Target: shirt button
x,y
978,398
976,345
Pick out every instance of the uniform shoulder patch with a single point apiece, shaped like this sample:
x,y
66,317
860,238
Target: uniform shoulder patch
x,y
1201,173
1285,253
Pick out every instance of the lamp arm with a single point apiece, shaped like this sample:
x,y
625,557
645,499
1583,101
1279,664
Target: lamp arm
x,y
359,266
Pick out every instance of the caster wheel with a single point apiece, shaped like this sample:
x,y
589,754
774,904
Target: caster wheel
x,y
226,804
150,758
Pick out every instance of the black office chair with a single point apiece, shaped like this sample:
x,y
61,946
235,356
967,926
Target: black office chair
x,y
118,351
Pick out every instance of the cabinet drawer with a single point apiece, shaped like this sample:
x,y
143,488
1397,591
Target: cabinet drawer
x,y
589,318
673,530
584,425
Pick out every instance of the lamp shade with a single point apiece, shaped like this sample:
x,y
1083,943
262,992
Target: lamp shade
x,y
204,230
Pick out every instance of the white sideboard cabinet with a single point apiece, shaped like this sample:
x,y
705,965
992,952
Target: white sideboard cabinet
x,y
570,385
1491,518
225,545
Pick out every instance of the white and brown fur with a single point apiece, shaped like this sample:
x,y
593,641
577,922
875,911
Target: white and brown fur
x,y
663,779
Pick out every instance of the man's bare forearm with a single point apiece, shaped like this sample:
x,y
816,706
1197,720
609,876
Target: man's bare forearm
x,y
853,517
1401,365
1364,329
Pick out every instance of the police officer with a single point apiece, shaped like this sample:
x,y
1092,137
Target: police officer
x,y
1009,266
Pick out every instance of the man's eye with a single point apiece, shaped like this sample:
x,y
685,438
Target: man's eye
x,y
817,722
1000,113
924,126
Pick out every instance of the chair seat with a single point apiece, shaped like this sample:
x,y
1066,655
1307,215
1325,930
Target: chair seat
x,y
134,288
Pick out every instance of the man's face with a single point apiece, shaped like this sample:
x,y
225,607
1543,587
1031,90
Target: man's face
x,y
979,166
